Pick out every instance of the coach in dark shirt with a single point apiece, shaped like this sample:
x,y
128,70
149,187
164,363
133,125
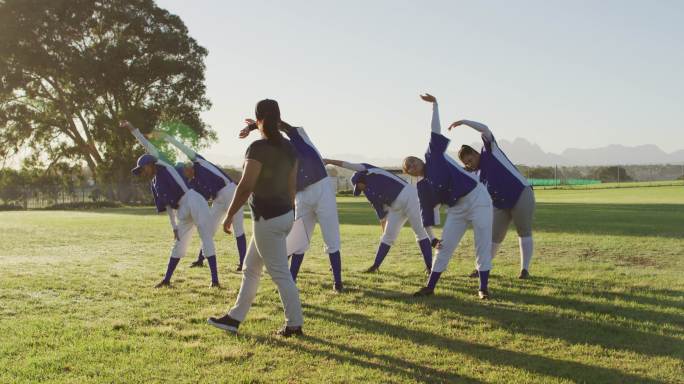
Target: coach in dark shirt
x,y
269,181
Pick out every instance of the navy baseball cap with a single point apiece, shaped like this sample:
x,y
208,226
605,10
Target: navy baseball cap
x,y
143,161
355,179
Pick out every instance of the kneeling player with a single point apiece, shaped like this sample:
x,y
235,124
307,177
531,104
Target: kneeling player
x,y
395,201
172,194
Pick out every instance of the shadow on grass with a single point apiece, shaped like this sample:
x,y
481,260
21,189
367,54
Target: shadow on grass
x,y
548,325
536,364
366,359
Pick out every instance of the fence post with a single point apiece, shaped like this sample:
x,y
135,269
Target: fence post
x,y
618,175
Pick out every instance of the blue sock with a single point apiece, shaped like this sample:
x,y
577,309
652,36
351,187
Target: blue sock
x,y
212,267
434,277
336,265
242,247
484,279
383,249
200,257
173,262
426,250
296,262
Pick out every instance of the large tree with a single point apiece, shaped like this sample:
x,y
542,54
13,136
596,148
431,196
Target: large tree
x,y
71,69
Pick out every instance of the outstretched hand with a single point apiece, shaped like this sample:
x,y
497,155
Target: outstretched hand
x,y
456,124
429,98
251,125
125,124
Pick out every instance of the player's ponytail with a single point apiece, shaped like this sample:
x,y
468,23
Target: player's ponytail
x,y
268,112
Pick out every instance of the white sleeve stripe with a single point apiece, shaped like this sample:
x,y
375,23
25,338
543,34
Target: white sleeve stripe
x,y
306,139
176,177
503,160
459,168
212,168
380,171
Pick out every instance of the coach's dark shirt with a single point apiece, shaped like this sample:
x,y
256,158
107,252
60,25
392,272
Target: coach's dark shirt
x,y
271,197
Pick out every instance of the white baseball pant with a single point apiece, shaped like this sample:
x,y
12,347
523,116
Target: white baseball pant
x,y
317,203
475,208
192,212
268,248
219,210
405,207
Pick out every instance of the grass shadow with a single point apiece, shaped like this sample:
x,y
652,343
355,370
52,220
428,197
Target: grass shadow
x,y
532,363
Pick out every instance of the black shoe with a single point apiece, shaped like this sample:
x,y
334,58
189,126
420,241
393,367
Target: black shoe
x,y
338,288
373,268
474,274
524,274
484,295
226,323
239,268
162,284
286,331
425,291
214,284
197,263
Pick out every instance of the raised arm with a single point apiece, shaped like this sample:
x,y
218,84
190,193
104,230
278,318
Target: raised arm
x,y
434,124
149,147
483,129
351,166
192,155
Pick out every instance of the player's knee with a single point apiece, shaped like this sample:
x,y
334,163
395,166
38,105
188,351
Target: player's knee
x,y
524,232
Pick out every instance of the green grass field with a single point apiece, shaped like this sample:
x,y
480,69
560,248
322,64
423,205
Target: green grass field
x,y
605,304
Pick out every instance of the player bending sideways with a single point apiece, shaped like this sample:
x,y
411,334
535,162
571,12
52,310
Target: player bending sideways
x,y
173,195
215,186
511,194
395,201
315,200
443,181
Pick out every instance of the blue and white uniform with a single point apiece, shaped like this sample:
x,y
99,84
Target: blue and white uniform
x,y
511,194
395,201
446,182
314,202
215,186
182,203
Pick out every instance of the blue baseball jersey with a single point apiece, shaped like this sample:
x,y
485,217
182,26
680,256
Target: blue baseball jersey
x,y
382,188
444,181
311,166
209,179
502,179
167,187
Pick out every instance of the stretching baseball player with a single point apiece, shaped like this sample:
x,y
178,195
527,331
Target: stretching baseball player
x,y
213,184
315,200
443,181
511,194
395,201
173,195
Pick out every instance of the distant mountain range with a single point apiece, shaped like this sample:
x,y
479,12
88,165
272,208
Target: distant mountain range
x,y
521,151
524,152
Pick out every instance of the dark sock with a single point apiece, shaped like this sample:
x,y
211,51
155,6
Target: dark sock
x,y
434,277
295,263
484,279
336,265
383,249
242,247
173,262
212,267
200,257
426,249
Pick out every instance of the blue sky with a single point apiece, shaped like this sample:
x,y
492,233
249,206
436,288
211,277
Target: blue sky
x,y
559,73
